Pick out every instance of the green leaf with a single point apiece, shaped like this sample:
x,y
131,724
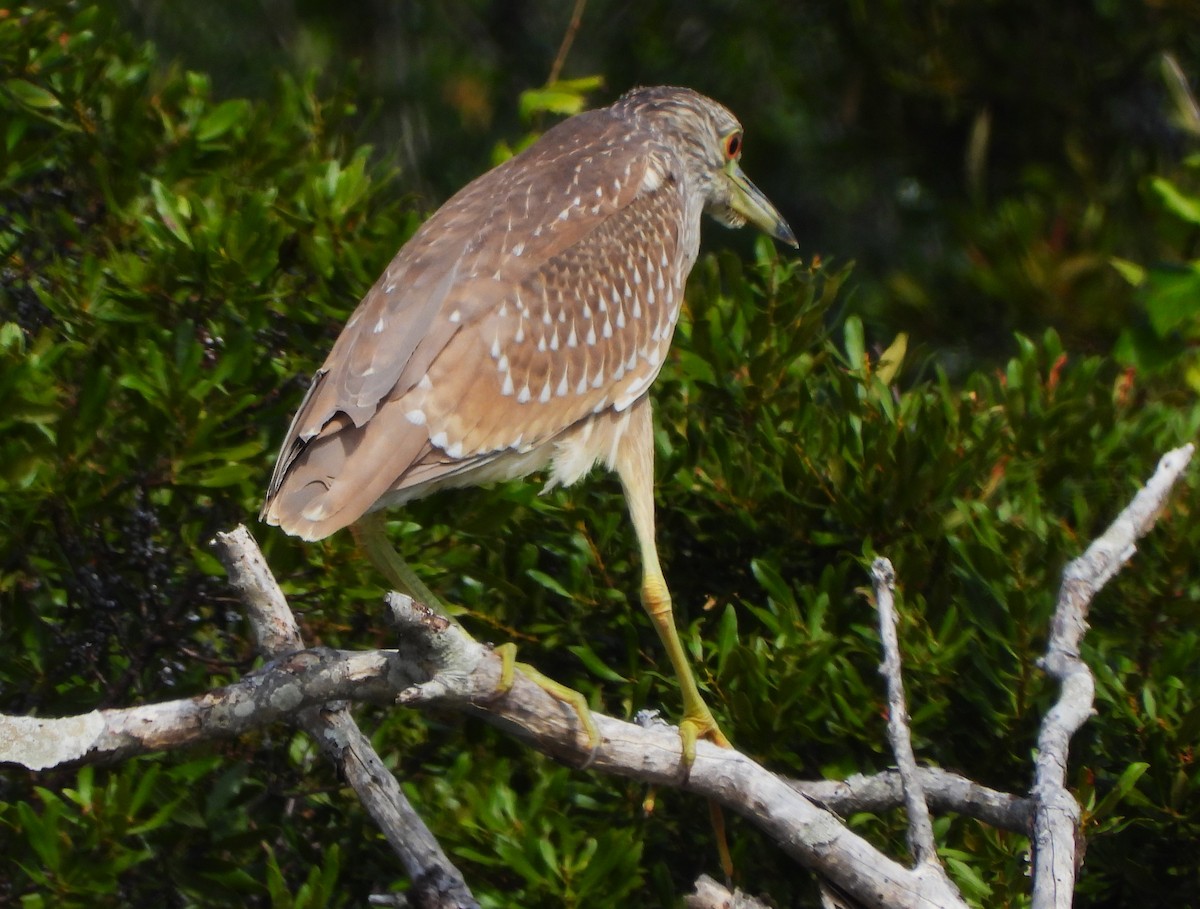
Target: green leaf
x,y
221,119
1132,272
727,635
29,95
170,210
594,664
892,359
1124,785
1183,206
855,344
1173,299
549,583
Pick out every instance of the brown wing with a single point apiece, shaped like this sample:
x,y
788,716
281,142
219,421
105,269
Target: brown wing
x,y
543,292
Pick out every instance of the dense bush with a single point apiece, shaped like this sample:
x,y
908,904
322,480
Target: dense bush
x,y
174,265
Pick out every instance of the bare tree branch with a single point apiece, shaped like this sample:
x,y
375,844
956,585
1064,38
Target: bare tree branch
x,y
1056,848
944,790
711,895
437,664
436,882
920,829
464,676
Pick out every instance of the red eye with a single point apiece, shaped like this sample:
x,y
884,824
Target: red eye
x,y
733,145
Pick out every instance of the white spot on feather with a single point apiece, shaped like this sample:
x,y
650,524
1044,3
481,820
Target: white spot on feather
x,y
425,384
518,249
507,388
524,396
651,179
455,316
379,325
438,440
315,513
416,417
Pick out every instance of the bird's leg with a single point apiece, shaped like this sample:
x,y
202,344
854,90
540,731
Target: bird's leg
x,y
635,467
372,538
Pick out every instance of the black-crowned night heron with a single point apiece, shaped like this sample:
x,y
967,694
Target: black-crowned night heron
x,y
521,327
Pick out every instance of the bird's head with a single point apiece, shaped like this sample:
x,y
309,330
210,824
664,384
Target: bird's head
x,y
710,138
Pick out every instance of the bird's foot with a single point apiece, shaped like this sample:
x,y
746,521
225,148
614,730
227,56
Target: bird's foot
x,y
560,692
699,724
696,725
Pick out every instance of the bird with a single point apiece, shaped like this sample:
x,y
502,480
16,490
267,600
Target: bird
x,y
520,329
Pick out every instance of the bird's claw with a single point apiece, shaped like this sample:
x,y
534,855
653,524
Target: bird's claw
x,y
560,692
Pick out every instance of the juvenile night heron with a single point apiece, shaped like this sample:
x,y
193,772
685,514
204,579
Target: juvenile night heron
x,y
521,327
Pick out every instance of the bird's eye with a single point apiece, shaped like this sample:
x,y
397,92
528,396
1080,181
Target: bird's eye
x,y
733,145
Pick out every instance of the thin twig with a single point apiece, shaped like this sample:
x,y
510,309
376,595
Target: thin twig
x,y
564,48
920,829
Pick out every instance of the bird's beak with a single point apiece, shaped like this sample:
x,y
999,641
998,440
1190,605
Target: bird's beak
x,y
752,205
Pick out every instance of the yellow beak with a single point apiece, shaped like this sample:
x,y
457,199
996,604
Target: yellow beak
x,y
752,205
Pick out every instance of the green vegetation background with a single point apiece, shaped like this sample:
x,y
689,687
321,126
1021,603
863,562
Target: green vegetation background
x,y
180,242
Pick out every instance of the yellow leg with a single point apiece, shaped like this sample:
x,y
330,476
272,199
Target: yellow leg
x,y
371,537
635,467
